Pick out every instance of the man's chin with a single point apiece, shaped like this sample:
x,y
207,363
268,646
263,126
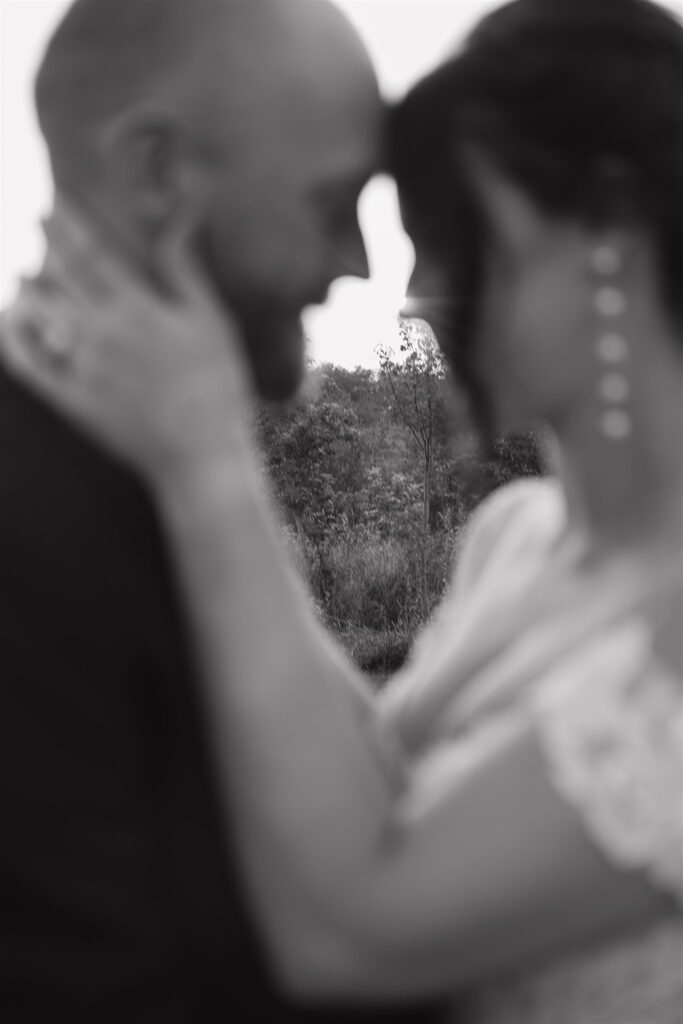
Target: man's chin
x,y
278,386
278,361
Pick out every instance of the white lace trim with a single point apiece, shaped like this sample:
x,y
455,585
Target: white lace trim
x,y
612,731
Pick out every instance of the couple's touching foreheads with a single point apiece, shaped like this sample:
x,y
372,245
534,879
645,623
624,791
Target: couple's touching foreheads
x,y
209,814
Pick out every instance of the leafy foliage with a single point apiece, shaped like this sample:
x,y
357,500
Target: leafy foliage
x,y
373,493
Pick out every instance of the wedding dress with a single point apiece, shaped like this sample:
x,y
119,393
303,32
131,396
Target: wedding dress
x,y
526,631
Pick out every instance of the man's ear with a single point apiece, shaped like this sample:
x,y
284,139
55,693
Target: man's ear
x,y
153,171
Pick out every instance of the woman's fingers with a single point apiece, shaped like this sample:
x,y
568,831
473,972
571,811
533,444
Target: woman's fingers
x,y
176,256
74,254
189,282
37,346
82,375
43,322
85,263
146,372
66,231
187,279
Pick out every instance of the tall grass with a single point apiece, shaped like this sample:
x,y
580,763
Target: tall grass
x,y
367,589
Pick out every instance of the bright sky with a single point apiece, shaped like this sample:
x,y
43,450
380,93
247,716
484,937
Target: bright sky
x,y
405,38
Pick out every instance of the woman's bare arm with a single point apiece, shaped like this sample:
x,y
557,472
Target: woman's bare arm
x,y
365,881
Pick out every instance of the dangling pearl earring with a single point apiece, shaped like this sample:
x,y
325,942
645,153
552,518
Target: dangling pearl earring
x,y
607,261
612,348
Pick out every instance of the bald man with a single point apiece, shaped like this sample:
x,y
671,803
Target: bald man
x,y
256,123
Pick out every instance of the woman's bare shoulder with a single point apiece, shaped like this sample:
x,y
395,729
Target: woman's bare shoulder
x,y
522,514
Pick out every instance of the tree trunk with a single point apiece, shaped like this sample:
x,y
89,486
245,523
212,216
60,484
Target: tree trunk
x,y
426,508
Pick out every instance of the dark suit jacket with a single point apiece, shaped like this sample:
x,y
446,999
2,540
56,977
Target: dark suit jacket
x,y
119,901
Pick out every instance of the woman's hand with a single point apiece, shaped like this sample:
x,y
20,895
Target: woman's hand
x,y
157,375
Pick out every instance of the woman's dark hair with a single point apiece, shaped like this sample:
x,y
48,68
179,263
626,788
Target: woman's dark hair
x,y
579,102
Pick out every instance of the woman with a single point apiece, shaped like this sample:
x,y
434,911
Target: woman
x,y
509,818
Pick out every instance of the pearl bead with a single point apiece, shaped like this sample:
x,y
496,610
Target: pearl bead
x,y
607,261
614,387
610,301
612,348
616,425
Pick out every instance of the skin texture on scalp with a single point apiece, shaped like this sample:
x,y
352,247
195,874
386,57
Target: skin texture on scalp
x,y
197,57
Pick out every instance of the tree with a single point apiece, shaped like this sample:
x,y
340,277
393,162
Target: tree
x,y
416,383
314,454
372,491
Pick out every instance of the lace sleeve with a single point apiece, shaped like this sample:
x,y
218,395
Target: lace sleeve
x,y
612,732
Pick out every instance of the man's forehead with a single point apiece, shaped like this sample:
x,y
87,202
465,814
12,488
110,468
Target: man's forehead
x,y
344,160
344,114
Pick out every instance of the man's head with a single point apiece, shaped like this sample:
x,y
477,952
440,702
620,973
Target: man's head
x,y
258,121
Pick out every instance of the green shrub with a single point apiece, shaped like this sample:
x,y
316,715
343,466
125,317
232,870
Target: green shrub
x,y
362,580
378,653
